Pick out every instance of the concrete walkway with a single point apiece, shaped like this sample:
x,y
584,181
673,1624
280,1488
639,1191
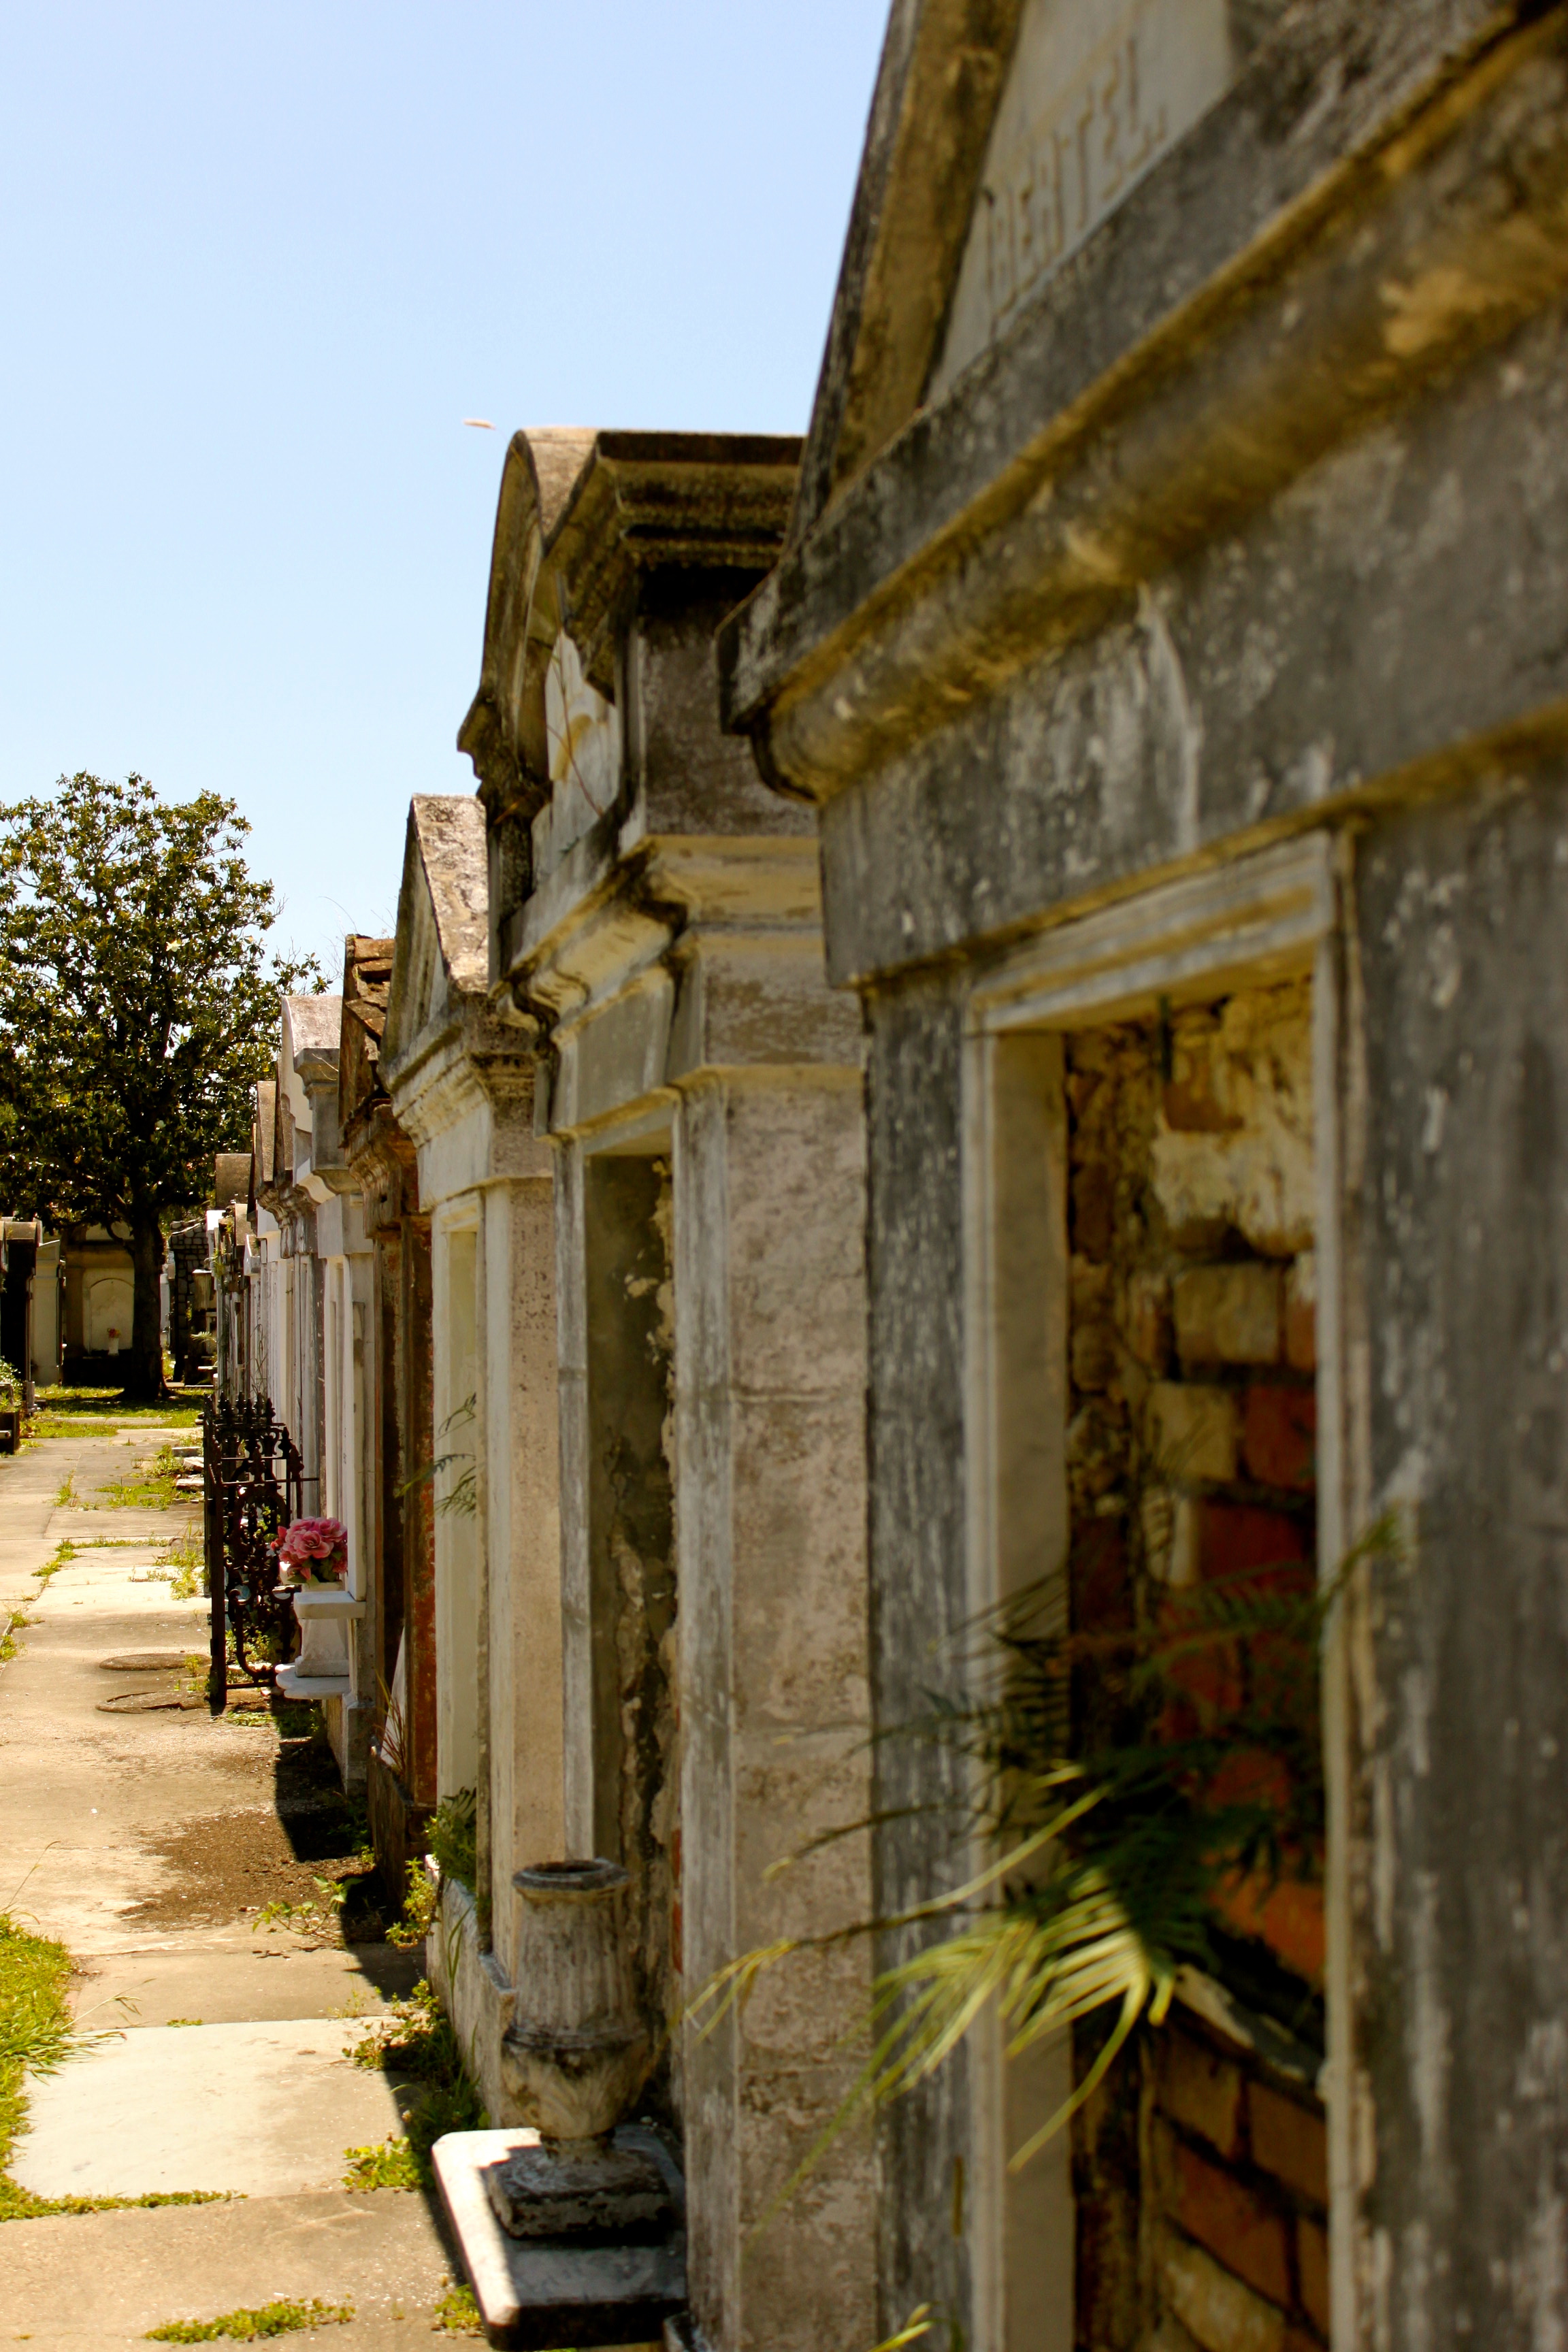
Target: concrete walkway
x,y
146,1837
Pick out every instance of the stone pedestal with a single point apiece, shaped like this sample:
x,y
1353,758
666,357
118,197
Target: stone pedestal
x,y
573,2230
543,2292
321,1669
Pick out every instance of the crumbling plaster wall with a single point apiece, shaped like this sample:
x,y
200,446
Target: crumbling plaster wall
x,y
613,1280
770,1502
1295,657
920,1596
1459,1685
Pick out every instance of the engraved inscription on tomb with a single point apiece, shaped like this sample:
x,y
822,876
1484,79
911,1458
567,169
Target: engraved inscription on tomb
x,y
1097,93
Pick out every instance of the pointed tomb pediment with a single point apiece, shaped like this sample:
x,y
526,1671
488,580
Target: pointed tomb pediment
x,y
585,519
504,732
440,961
1002,133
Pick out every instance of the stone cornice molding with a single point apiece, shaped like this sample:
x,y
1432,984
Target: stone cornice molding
x,y
1267,291
616,912
474,1065
676,960
581,517
384,1163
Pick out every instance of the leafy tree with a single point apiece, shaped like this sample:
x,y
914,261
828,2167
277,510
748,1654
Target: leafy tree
x,y
137,1009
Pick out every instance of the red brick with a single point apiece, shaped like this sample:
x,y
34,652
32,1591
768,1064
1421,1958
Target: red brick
x,y
1290,2141
1101,1588
1200,2091
1301,1314
1209,1681
1212,2303
1279,1437
1236,1538
1249,1777
1223,2214
1288,1916
1313,2271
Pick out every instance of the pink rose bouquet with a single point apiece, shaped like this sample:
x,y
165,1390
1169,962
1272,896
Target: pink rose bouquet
x,y
317,1549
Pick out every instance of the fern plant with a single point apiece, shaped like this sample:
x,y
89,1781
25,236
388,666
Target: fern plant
x,y
1130,1784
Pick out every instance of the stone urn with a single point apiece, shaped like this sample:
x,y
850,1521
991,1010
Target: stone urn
x,y
574,2060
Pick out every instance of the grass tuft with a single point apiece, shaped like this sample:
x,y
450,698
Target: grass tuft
x,y
417,2040
391,2164
457,2313
150,1487
280,2318
183,1554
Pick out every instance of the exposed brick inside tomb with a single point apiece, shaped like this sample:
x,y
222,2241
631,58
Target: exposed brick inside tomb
x,y
1192,1457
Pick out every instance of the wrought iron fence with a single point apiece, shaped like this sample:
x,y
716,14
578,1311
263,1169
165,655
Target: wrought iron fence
x,y
253,1483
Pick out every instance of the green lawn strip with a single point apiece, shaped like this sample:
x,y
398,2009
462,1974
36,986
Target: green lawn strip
x,y
415,2040
280,2318
35,2036
80,1408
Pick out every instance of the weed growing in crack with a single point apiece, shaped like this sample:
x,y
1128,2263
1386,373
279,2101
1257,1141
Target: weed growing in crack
x,y
151,1487
280,2318
451,1836
418,1909
299,1919
417,2040
457,2313
390,2165
183,1561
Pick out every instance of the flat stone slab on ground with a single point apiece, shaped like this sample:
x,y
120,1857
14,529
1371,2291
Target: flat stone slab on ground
x,y
261,2109
537,2294
101,2279
223,1978
134,1523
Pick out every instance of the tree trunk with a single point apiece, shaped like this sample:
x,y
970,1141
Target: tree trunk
x,y
144,1373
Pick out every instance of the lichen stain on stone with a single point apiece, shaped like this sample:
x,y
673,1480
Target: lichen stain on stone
x,y
1180,727
1423,311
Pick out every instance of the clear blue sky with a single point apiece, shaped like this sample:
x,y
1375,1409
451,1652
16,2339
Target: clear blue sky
x,y
259,262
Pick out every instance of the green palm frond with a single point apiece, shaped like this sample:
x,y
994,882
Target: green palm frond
x,y
1110,1852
